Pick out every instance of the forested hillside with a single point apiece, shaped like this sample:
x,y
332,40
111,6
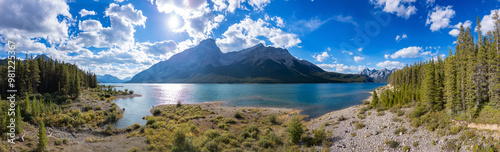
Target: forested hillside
x,y
463,86
43,75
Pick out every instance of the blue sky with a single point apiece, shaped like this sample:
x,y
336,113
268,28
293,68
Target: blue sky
x,y
124,37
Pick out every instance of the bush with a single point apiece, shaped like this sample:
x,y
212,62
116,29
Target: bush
x,y
134,149
360,125
131,91
341,118
265,143
272,119
156,112
399,130
65,141
212,134
319,135
392,143
295,130
238,115
58,142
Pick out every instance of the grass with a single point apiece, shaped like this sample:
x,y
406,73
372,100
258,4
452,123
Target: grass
x,y
200,130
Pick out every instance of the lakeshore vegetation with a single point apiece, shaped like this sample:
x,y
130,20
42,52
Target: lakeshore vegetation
x,y
465,86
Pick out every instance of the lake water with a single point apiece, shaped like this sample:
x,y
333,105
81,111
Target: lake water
x,y
314,99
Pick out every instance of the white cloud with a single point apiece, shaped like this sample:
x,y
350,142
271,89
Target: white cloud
x,y
198,19
321,57
309,25
430,3
158,48
456,28
390,64
360,49
337,67
245,34
440,17
123,19
23,21
119,1
358,58
350,53
399,38
409,52
85,12
328,49
345,19
487,23
402,8
386,56
259,4
232,5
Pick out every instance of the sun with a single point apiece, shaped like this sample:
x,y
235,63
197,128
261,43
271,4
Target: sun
x,y
174,22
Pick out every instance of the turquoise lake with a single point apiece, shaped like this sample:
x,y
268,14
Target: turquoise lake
x,y
314,99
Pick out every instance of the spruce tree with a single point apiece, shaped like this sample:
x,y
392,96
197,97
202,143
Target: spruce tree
x,y
42,137
19,120
375,101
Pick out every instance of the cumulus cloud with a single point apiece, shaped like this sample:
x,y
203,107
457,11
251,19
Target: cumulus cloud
x,y
26,20
232,5
85,12
337,67
158,48
456,29
245,34
358,58
386,56
360,49
390,64
321,57
121,32
487,23
409,52
402,8
440,17
399,38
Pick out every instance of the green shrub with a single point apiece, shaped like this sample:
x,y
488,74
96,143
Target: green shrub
x,y
392,143
341,118
295,130
272,119
319,135
360,125
238,115
58,142
156,112
401,129
212,134
134,149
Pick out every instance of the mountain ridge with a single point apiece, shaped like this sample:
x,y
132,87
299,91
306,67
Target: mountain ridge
x,y
205,63
377,75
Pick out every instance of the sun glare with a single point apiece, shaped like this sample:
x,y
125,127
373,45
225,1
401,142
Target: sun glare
x,y
174,22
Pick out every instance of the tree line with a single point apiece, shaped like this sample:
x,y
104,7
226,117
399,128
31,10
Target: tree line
x,y
44,75
462,84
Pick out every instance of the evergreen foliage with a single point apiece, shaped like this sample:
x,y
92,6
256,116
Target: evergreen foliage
x,y
461,85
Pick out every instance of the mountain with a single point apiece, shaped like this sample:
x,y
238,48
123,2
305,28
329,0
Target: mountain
x,y
377,75
110,79
206,63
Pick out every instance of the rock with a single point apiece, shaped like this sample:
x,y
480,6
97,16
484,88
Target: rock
x,y
341,146
375,133
400,133
347,131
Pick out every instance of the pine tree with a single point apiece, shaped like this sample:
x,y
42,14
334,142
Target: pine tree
x,y
450,87
428,89
375,101
42,136
19,120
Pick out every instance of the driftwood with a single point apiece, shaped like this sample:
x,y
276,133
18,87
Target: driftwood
x,y
72,134
21,138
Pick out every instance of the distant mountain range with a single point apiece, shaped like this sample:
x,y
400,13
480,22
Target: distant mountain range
x,y
111,79
377,75
206,63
